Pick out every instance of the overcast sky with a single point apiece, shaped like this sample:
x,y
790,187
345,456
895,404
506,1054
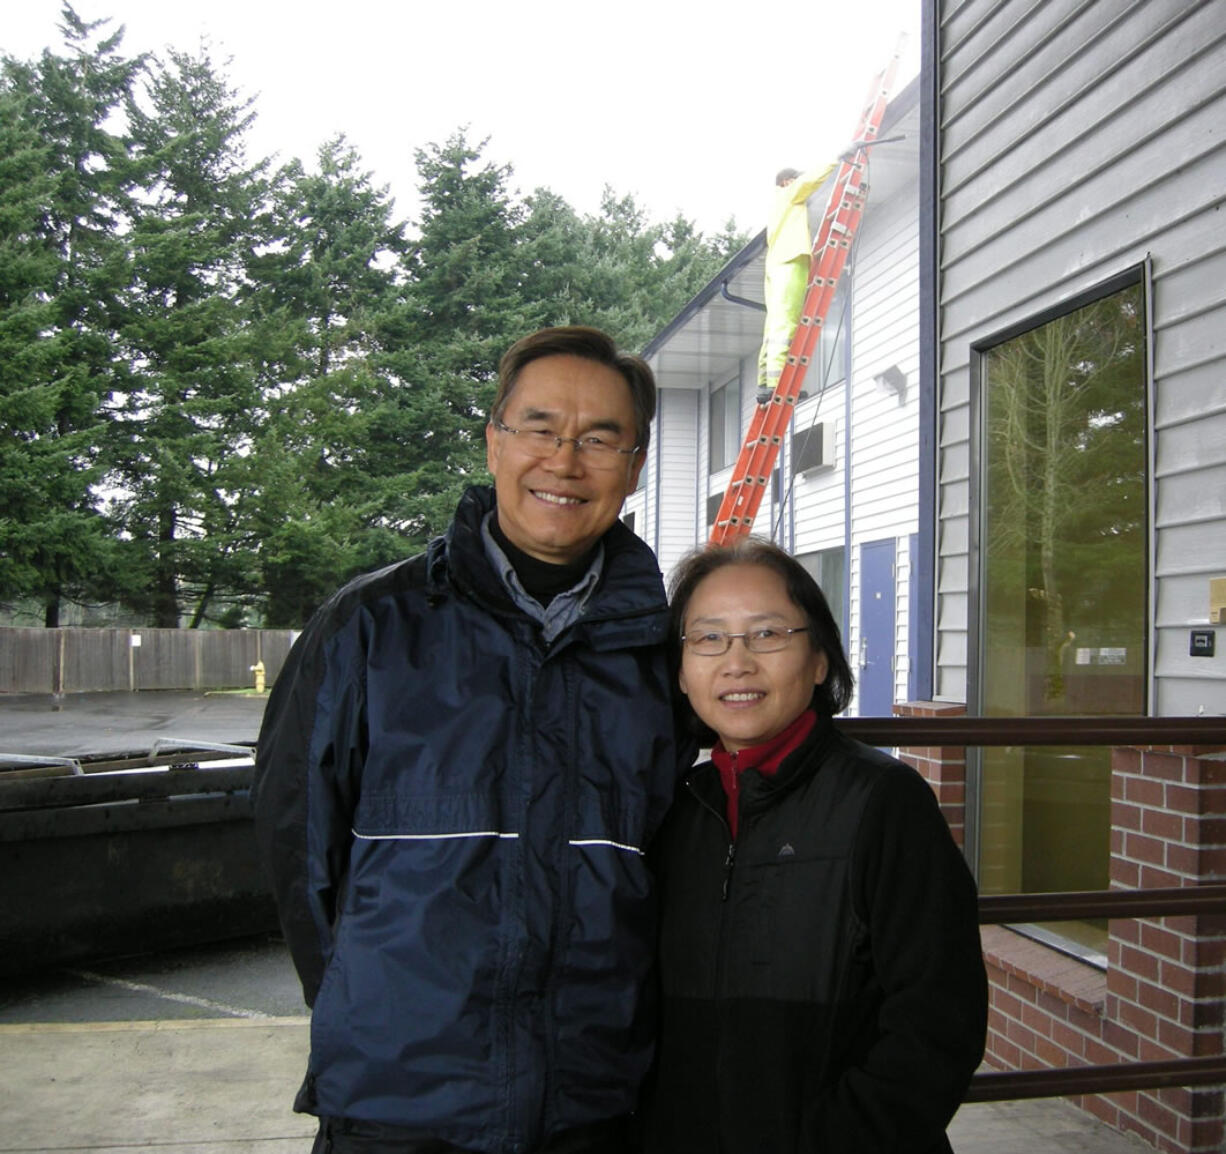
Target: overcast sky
x,y
692,107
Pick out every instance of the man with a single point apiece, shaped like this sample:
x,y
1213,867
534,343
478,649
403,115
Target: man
x,y
458,771
788,254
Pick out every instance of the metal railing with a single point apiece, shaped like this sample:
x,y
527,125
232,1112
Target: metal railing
x,y
1200,899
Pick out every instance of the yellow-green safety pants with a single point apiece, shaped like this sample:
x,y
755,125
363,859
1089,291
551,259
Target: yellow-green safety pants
x,y
784,287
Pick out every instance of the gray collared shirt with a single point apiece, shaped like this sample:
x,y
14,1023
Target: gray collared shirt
x,y
564,609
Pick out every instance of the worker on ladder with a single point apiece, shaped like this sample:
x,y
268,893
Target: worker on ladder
x,y
788,254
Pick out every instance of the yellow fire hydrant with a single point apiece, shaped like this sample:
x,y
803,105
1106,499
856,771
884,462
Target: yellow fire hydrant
x,y
258,670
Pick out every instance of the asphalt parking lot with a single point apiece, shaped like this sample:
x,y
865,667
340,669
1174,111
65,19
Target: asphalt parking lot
x,y
79,724
248,979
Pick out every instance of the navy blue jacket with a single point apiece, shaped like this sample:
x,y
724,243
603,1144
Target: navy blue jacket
x,y
454,815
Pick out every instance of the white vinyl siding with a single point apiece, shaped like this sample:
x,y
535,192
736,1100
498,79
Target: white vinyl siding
x,y
677,494
885,433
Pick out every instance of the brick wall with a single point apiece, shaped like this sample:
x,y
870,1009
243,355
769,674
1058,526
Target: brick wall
x,y
1166,976
1162,994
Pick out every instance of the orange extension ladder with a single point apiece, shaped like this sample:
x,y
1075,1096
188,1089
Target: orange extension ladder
x,y
831,246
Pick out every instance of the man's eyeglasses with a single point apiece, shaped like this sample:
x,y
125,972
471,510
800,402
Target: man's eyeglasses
x,y
596,452
715,642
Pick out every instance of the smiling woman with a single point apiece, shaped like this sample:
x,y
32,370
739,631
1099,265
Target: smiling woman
x,y
751,691
823,982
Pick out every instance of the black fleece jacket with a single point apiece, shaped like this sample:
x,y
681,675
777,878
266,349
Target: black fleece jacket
x,y
823,982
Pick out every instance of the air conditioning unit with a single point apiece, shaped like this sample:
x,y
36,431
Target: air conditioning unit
x,y
813,448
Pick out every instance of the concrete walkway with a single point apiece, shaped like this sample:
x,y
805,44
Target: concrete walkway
x,y
224,1086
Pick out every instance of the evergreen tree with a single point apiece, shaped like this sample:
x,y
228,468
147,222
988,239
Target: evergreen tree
x,y
320,513
63,193
185,425
464,304
617,270
271,387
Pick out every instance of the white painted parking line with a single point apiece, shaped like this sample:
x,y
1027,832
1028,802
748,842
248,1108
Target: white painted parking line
x,y
167,995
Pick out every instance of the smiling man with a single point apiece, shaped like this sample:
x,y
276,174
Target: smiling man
x,y
569,455
458,773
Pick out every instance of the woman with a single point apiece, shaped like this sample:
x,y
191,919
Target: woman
x,y
823,984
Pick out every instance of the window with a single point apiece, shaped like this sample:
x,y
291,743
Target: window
x,y
827,567
725,424
1063,589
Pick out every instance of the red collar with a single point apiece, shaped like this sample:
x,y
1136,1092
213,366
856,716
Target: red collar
x,y
765,758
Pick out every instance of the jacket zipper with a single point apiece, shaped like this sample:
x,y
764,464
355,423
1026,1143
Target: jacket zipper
x,y
728,862
730,856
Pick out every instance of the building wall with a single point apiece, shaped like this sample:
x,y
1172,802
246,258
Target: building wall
x,y
1076,141
884,442
662,509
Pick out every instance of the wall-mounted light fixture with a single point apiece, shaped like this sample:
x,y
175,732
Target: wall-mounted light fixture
x,y
893,380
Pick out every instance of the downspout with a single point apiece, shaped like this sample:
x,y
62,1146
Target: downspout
x,y
922,643
849,274
701,481
736,300
657,486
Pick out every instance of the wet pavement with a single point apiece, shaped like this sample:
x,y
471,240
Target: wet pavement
x,y
77,724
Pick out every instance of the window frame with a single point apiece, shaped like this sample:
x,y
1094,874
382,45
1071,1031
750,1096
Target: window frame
x,y
1135,275
814,563
732,388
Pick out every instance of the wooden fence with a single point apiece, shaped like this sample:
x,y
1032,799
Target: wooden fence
x,y
92,660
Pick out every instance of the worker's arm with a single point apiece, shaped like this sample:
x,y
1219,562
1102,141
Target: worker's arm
x,y
807,183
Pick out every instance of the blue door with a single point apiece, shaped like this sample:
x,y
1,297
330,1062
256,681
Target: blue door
x,y
874,661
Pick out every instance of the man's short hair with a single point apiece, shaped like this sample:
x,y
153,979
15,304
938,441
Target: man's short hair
x,y
592,345
784,175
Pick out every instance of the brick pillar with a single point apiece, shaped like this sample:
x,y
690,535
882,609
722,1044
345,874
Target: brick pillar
x,y
944,768
1166,977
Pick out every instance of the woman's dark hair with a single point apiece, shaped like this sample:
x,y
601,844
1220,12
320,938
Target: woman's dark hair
x,y
834,694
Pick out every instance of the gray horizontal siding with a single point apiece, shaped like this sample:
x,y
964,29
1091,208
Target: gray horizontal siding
x,y
1078,140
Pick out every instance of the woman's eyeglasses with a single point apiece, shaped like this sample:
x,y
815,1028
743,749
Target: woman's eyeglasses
x,y
715,642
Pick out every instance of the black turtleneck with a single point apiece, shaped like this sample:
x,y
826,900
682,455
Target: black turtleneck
x,y
542,580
